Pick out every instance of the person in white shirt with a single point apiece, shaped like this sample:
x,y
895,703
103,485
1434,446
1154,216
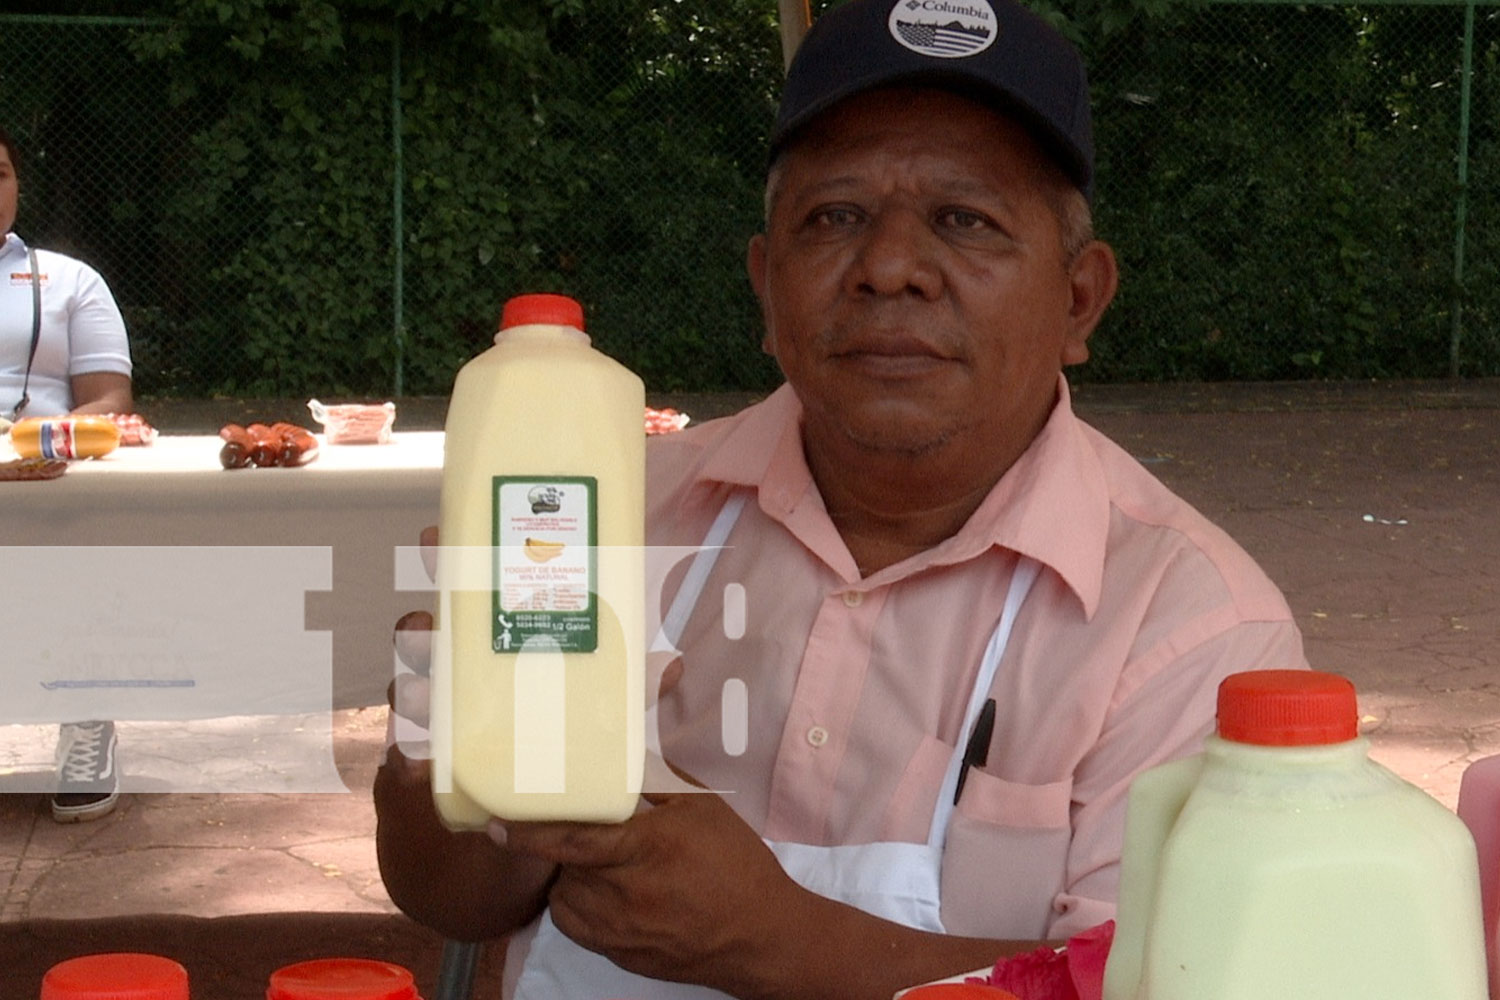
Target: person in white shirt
x,y
81,359
63,350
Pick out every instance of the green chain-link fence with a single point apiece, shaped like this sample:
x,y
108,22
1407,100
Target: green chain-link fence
x,y
334,198
1283,183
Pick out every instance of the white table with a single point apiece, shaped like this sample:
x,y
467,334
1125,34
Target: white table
x,y
178,586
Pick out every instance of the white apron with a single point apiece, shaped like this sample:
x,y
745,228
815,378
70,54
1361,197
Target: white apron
x,y
900,882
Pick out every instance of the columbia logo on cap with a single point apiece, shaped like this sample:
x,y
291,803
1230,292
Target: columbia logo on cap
x,y
945,29
1023,68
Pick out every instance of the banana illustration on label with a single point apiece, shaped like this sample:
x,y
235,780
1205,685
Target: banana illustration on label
x,y
540,550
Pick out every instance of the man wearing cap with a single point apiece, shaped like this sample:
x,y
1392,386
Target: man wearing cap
x,y
959,620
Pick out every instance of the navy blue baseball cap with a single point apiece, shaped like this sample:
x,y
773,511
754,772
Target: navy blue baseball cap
x,y
992,51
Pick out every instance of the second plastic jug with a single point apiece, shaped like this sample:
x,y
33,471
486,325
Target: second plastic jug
x,y
1479,808
538,668
1284,862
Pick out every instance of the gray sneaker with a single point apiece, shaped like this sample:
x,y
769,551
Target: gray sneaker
x,y
88,785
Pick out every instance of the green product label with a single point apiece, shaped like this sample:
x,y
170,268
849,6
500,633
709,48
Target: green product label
x,y
546,572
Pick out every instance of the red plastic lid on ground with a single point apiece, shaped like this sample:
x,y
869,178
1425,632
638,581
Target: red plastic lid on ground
x,y
342,979
116,976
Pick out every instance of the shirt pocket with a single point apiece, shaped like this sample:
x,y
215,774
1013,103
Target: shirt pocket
x,y
1005,859
990,799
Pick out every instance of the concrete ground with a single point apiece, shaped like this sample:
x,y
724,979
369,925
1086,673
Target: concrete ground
x,y
1374,506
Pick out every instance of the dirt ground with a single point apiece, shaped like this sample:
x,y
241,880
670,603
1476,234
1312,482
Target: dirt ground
x,y
1374,506
1380,526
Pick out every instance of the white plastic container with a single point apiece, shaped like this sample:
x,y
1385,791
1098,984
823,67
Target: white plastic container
x,y
1479,808
1283,862
538,672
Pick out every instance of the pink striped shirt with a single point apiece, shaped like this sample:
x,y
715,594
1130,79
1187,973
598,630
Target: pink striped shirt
x,y
856,687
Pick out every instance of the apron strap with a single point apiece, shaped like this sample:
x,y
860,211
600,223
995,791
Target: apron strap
x,y
1021,580
697,574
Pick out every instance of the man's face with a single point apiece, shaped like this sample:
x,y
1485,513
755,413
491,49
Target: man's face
x,y
9,191
913,281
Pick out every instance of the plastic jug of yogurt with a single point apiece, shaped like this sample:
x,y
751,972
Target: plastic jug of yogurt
x,y
1283,862
1479,808
538,671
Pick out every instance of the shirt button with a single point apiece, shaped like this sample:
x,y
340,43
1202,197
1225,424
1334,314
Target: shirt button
x,y
853,598
817,736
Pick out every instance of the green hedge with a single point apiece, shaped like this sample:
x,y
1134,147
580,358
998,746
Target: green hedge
x,y
1279,181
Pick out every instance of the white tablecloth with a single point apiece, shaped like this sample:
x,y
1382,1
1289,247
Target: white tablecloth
x,y
178,589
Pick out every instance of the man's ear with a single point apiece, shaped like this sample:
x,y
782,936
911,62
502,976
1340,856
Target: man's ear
x,y
755,266
1094,276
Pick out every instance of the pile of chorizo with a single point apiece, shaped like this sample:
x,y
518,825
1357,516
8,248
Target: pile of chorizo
x,y
279,445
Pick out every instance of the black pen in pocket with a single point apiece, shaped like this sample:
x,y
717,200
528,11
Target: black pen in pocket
x,y
977,752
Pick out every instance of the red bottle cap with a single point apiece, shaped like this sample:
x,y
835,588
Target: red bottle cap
x,y
342,979
553,310
1287,708
116,976
958,991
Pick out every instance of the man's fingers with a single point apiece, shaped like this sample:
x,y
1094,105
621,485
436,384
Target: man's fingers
x,y
413,640
406,725
663,780
663,673
591,845
404,770
413,699
427,548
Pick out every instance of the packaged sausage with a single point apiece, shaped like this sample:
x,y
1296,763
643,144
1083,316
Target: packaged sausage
x,y
134,430
65,437
266,445
238,445
355,423
280,445
298,447
664,421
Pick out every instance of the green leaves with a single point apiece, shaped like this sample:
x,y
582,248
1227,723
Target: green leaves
x,y
517,177
1279,183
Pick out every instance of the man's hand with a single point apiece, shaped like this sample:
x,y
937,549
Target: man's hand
x,y
459,884
686,891
681,891
409,694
